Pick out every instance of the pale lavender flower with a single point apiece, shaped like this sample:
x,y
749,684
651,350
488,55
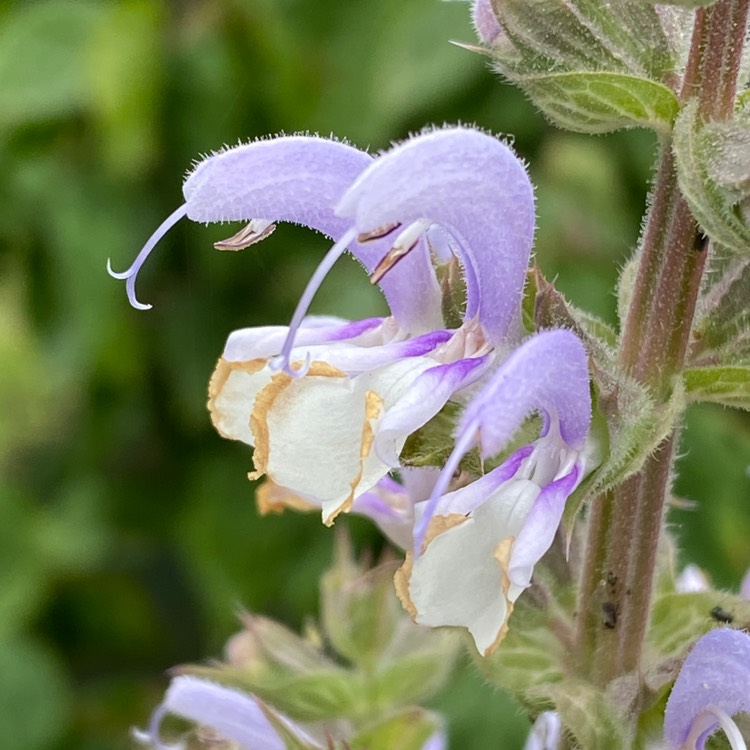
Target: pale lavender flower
x,y
237,716
485,22
546,734
437,741
371,383
475,548
692,579
745,587
712,687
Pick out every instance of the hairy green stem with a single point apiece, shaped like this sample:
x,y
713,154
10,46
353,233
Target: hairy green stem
x,y
625,524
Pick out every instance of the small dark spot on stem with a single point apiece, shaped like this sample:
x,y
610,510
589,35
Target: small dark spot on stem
x,y
701,242
609,615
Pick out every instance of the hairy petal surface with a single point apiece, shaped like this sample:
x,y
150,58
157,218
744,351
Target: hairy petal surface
x,y
712,686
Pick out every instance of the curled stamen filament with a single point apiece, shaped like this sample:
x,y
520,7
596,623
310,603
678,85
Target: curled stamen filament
x,y
255,231
153,733
705,720
283,360
404,244
131,273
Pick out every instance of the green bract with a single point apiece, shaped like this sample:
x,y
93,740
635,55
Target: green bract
x,y
713,170
590,67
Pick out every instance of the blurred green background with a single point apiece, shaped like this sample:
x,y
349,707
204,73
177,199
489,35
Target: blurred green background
x,y
128,533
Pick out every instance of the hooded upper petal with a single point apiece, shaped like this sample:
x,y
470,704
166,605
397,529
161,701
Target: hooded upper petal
x,y
712,686
475,188
301,179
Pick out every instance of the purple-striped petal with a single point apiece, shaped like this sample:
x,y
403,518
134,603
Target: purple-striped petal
x,y
266,341
237,716
476,189
539,528
425,398
712,686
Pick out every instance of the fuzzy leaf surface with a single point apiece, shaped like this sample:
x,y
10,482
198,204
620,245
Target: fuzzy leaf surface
x,y
722,330
711,184
600,102
725,385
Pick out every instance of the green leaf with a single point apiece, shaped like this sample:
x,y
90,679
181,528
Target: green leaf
x,y
408,730
590,67
705,177
588,714
360,612
719,384
582,36
420,665
600,102
678,620
530,656
291,739
721,333
305,697
684,3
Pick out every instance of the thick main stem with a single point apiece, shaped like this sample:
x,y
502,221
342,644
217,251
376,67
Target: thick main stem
x,y
625,524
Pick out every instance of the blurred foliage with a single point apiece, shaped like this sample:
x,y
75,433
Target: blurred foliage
x,y
128,534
